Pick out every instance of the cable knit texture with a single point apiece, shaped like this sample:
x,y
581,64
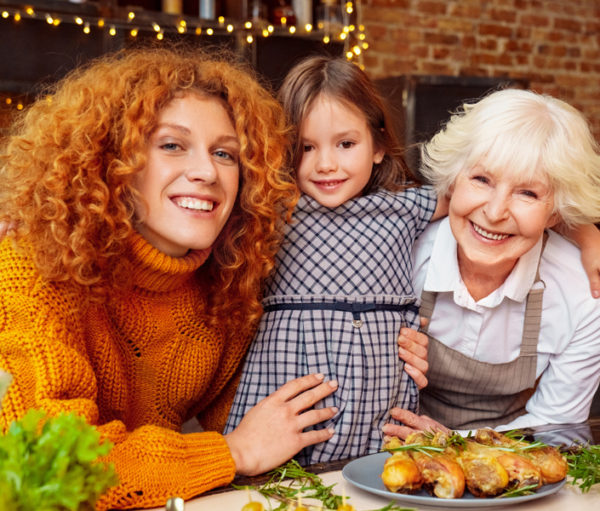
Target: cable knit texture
x,y
137,366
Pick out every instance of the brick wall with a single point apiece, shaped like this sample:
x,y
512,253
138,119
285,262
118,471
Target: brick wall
x,y
555,44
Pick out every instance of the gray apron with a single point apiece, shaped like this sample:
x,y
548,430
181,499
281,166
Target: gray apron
x,y
464,393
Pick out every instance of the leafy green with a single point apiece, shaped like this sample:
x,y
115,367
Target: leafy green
x,y
290,482
584,466
51,465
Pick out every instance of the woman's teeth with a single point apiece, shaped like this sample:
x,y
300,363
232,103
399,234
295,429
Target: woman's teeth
x,y
195,204
489,235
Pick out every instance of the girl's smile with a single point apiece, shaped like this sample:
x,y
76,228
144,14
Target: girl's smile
x,y
338,152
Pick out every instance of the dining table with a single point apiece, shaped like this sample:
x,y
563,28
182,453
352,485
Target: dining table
x,y
563,497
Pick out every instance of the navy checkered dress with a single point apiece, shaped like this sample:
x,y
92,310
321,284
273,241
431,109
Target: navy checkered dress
x,y
357,253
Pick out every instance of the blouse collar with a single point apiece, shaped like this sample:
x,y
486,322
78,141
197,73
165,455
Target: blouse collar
x,y
443,274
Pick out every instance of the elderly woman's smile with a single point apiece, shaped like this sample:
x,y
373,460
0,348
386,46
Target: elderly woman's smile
x,y
496,217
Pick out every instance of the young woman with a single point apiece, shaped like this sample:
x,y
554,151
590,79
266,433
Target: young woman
x,y
149,194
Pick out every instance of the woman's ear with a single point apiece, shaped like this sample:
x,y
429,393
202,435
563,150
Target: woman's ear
x,y
553,220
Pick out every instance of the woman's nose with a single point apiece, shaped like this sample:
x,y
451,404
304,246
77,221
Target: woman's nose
x,y
202,168
497,205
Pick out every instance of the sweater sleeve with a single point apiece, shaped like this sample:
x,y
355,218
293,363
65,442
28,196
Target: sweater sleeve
x,y
42,345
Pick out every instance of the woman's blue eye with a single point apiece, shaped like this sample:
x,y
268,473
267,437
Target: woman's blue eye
x,y
481,179
225,155
170,146
529,193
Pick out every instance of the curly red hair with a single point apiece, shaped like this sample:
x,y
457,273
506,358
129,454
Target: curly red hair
x,y
68,167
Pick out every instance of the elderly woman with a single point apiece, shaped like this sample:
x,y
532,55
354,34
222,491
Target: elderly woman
x,y
514,334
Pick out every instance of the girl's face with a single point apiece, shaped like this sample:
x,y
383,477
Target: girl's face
x,y
338,152
190,182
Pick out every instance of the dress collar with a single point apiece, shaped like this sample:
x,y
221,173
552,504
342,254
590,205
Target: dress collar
x,y
443,274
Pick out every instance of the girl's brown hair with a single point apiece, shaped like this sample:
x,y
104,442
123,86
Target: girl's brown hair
x,y
341,80
67,170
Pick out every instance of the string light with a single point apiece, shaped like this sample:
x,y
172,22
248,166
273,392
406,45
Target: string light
x,y
353,38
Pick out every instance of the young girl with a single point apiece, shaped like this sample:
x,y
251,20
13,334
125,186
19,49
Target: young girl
x,y
147,190
341,291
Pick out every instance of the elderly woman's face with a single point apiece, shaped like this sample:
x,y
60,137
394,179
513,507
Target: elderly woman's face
x,y
497,217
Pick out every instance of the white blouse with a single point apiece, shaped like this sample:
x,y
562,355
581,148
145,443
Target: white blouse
x,y
490,329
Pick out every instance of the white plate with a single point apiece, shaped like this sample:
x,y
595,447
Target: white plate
x,y
365,473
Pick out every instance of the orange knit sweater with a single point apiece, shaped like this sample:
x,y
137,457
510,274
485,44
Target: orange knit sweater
x,y
137,367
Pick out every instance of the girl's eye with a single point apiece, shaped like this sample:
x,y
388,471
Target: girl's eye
x,y
347,144
306,148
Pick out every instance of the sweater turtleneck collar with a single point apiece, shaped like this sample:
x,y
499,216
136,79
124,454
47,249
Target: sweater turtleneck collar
x,y
155,271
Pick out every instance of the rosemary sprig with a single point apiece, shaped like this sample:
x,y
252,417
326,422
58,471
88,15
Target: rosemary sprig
x,y
422,448
584,466
519,492
290,481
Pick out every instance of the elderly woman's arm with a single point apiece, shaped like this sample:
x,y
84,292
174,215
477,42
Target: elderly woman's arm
x,y
587,238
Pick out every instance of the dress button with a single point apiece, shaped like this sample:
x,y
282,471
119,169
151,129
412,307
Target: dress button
x,y
357,323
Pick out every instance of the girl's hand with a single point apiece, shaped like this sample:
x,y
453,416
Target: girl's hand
x,y
412,348
272,432
411,423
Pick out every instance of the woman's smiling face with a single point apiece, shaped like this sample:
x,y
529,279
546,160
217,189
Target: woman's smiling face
x,y
190,182
496,217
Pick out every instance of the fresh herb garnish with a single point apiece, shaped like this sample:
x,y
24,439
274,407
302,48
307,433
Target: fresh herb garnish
x,y
290,482
51,464
584,465
422,448
519,492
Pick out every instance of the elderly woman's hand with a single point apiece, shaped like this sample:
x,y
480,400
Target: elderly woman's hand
x,y
587,238
411,422
590,258
273,431
412,348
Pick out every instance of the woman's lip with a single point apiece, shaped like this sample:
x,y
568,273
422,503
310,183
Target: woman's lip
x,y
489,235
195,204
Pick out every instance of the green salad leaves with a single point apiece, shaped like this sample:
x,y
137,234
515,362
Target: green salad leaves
x,y
52,464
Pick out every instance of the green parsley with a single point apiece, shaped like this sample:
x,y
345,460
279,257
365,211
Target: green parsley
x,y
51,464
